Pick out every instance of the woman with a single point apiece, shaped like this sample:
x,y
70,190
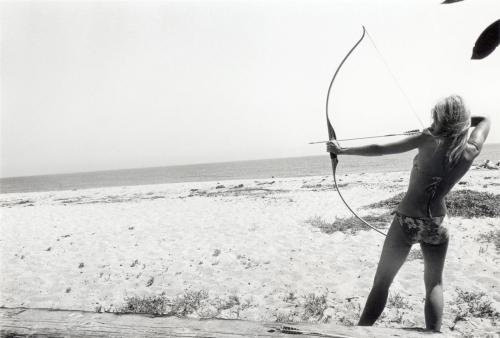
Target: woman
x,y
445,154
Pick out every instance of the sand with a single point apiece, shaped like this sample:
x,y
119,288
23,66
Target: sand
x,y
252,241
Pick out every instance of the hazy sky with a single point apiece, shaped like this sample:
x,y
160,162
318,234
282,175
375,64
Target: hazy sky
x,y
96,85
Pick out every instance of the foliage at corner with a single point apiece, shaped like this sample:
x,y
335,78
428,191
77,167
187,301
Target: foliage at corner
x,y
461,203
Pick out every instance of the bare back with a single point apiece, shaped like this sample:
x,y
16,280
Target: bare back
x,y
431,180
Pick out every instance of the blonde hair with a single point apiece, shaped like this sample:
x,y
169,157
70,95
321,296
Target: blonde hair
x,y
451,125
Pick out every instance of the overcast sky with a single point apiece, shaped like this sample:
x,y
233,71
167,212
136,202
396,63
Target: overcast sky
x,y
98,85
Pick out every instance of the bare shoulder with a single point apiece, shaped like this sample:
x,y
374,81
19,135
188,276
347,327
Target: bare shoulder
x,y
426,140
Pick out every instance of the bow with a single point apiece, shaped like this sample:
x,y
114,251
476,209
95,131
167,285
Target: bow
x,y
332,136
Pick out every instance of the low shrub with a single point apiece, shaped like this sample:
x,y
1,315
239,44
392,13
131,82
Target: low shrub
x,y
314,306
350,225
460,203
473,304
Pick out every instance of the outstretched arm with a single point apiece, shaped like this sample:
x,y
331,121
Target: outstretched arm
x,y
402,146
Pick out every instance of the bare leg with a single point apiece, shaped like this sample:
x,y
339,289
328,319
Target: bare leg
x,y
434,256
394,253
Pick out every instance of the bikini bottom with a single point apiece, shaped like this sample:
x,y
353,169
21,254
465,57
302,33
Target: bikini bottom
x,y
423,230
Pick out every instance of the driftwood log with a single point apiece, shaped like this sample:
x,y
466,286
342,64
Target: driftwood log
x,y
24,322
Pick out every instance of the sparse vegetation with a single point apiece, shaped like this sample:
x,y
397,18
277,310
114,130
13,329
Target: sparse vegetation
x,y
318,309
461,203
17,202
349,225
398,310
153,305
312,186
190,302
238,190
473,304
290,297
350,313
286,316
390,203
396,301
314,306
470,204
492,237
225,304
158,305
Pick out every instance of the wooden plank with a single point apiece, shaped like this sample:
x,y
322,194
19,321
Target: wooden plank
x,y
21,322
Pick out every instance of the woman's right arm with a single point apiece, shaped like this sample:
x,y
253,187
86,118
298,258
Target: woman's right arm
x,y
478,136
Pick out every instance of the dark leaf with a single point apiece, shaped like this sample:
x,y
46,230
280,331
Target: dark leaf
x,y
487,41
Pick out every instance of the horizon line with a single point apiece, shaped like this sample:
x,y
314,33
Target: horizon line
x,y
166,166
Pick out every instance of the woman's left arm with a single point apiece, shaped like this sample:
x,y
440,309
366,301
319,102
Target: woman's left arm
x,y
402,146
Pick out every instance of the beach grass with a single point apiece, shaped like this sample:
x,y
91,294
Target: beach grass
x,y
197,303
461,203
492,237
349,225
474,304
314,306
311,307
153,305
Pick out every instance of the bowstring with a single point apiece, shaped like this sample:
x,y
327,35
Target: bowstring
x,y
395,79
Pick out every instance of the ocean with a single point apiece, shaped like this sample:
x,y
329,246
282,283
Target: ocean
x,y
256,169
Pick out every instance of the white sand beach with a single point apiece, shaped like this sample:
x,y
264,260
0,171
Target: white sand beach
x,y
249,243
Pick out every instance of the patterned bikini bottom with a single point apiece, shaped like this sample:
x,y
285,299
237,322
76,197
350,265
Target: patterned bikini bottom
x,y
423,230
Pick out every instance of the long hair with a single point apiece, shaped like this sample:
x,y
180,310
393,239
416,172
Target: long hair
x,y
452,121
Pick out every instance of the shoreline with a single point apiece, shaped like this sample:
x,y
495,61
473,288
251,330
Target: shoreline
x,y
234,181
283,168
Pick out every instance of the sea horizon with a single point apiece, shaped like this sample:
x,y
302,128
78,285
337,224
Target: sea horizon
x,y
316,165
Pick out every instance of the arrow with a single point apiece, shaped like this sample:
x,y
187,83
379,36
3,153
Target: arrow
x,y
409,132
